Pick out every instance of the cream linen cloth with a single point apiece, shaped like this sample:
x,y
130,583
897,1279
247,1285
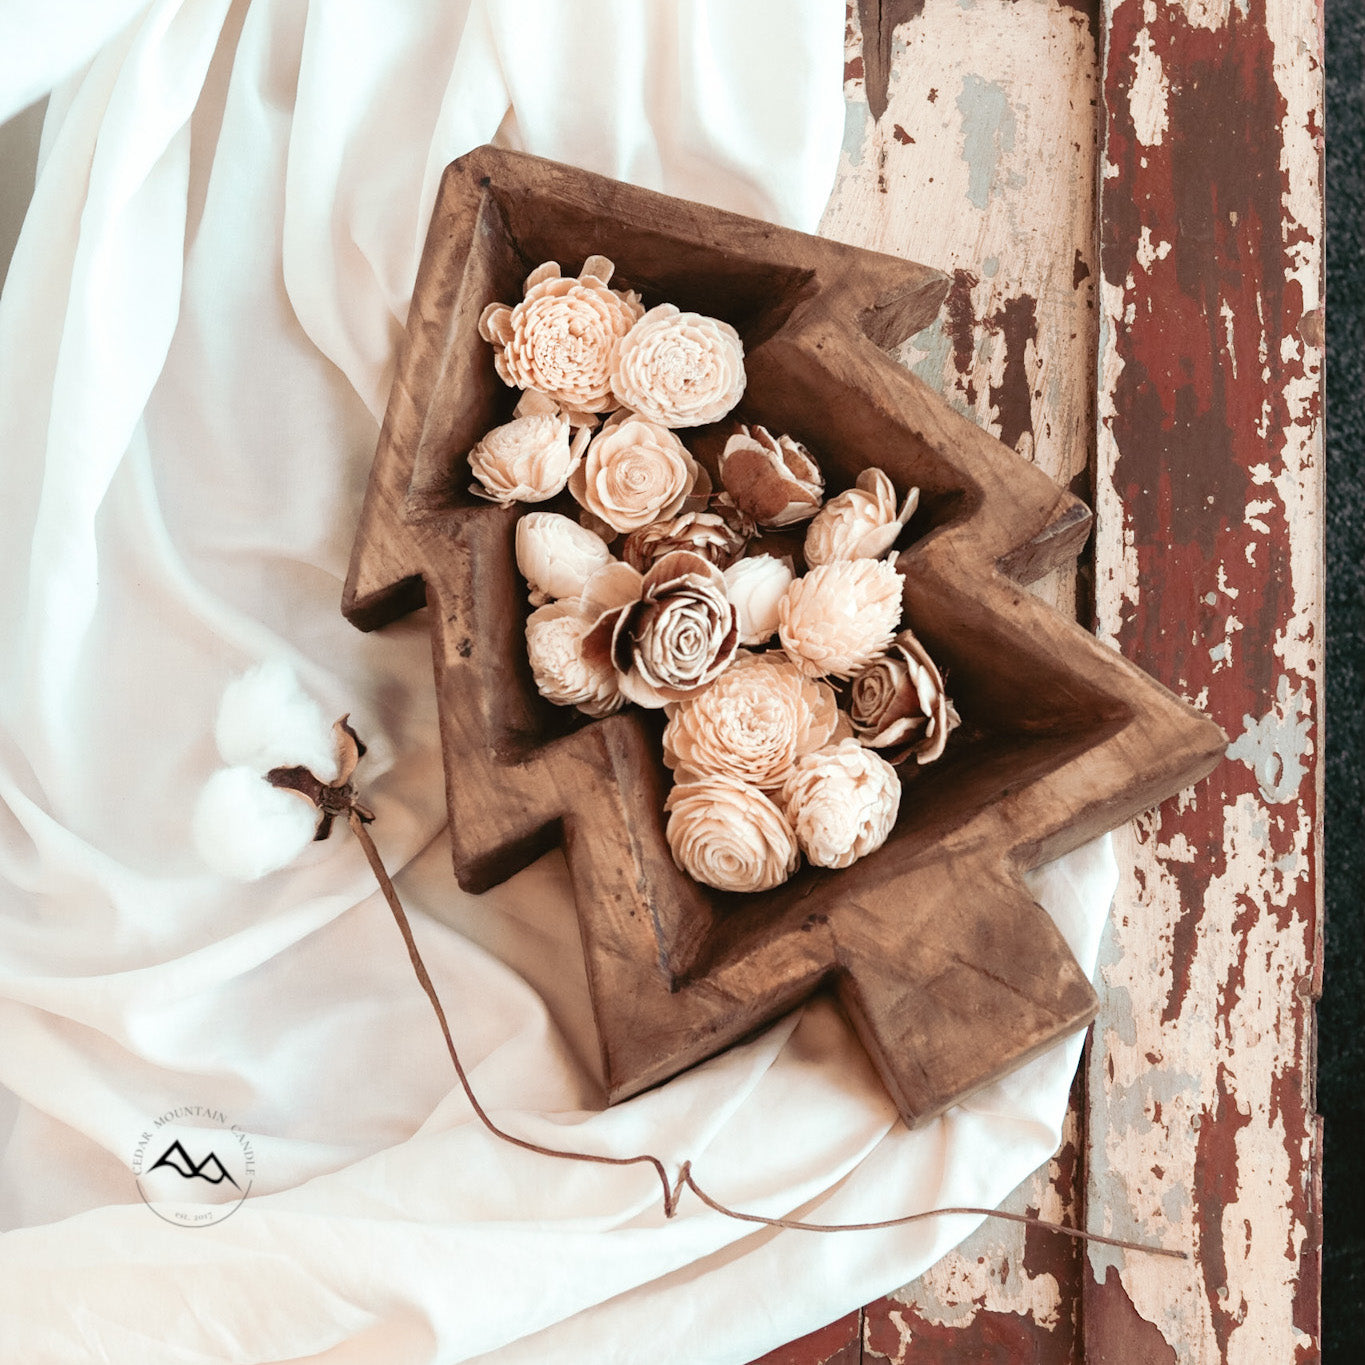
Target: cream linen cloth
x,y
196,345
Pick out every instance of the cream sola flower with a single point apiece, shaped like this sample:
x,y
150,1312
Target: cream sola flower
x,y
679,369
898,706
557,556
755,586
528,459
773,479
703,533
842,801
635,473
840,616
562,338
861,523
570,668
728,834
752,723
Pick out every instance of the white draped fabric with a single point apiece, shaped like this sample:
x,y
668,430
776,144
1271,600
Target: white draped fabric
x,y
196,343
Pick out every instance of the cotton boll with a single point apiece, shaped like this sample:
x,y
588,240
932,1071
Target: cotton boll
x,y
266,720
244,827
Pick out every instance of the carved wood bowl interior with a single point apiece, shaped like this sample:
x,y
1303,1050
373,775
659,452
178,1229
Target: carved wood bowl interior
x,y
949,971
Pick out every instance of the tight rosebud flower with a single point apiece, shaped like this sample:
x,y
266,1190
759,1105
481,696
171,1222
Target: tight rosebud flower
x,y
562,338
771,478
637,472
528,459
898,705
727,834
755,586
842,802
840,617
678,636
703,533
679,369
568,667
557,556
752,723
861,523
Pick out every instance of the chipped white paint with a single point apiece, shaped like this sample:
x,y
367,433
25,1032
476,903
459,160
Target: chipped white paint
x,y
1148,97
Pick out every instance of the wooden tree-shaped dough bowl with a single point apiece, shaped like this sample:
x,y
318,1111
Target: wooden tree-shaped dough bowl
x,y
950,972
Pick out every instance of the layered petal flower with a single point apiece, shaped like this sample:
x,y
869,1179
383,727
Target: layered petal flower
x,y
703,533
860,523
679,369
557,556
752,723
528,459
772,479
841,616
561,339
568,668
842,802
898,706
637,472
728,834
755,586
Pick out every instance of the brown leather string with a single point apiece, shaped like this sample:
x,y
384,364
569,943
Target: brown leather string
x,y
672,1192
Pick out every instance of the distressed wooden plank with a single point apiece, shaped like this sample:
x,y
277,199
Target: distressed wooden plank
x,y
840,1343
1201,1131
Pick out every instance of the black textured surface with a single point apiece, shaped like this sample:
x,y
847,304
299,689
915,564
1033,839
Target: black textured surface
x,y
1341,1015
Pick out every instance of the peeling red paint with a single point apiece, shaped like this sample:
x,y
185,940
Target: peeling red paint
x,y
901,135
1017,322
879,20
962,327
1115,1332
896,1332
838,1344
1080,272
853,70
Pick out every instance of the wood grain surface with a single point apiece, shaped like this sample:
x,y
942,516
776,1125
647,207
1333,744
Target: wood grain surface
x,y
1192,390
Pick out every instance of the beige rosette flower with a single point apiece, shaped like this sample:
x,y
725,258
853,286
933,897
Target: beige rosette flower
x,y
727,834
703,533
528,459
679,369
562,338
752,723
568,668
557,556
755,586
678,632
898,704
637,472
840,617
861,523
842,802
771,478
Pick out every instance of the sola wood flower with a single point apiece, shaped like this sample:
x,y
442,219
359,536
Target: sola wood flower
x,y
842,803
557,556
752,723
841,616
727,834
755,586
672,631
703,533
528,459
636,472
679,369
561,338
898,704
771,478
569,667
861,523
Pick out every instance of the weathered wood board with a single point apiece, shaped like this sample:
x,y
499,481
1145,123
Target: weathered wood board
x,y
1186,374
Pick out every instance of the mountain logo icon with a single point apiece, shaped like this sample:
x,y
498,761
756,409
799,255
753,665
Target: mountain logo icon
x,y
179,1160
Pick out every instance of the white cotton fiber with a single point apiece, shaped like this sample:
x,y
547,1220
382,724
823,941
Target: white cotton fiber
x,y
266,721
244,827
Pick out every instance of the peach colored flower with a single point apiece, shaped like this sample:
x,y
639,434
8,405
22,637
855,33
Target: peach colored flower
x,y
636,472
557,556
842,801
861,523
727,834
679,369
677,636
840,616
752,723
702,532
562,338
898,704
755,586
771,478
528,459
566,667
